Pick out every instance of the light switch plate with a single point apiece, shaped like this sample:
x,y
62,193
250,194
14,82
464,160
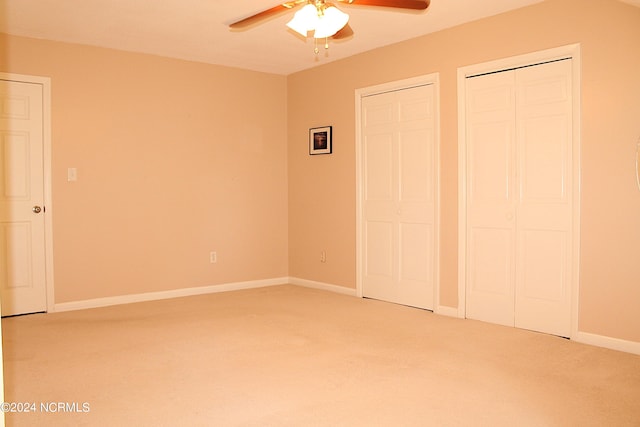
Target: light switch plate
x,y
72,174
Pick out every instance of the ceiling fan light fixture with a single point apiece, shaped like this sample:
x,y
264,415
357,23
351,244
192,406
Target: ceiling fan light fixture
x,y
322,17
330,22
304,20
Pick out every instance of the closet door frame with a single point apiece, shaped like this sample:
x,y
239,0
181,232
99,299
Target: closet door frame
x,y
564,52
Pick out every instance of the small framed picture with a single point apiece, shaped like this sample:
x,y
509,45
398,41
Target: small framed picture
x,y
320,140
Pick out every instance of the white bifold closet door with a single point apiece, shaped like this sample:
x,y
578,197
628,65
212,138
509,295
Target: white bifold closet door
x,y
399,196
519,182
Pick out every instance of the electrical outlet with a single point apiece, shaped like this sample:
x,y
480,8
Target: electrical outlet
x,y
213,257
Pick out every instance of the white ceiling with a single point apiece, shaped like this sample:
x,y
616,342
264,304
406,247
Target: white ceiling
x,y
198,30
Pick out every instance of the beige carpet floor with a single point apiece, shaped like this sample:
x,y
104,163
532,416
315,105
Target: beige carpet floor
x,y
291,356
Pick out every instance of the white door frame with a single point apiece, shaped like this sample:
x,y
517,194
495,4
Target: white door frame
x,y
564,52
427,79
46,143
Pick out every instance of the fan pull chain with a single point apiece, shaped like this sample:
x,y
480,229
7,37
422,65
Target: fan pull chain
x,y
316,50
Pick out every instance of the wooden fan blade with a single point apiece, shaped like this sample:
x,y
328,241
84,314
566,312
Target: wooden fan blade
x,y
399,4
345,32
265,14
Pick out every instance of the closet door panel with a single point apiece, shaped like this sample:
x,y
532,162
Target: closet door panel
x,y
545,210
490,182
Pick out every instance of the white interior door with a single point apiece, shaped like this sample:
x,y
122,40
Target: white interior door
x,y
520,197
22,225
399,196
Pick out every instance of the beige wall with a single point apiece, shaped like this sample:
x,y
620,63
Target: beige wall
x,y
174,159
322,188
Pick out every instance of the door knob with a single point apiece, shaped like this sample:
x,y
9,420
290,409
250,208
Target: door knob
x,y
36,209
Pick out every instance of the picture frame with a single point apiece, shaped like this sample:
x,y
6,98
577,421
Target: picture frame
x,y
320,140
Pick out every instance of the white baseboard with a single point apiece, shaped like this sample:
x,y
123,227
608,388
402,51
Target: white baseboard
x,y
175,293
607,342
581,337
323,286
446,311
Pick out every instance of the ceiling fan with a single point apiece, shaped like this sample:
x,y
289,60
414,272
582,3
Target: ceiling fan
x,y
321,18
